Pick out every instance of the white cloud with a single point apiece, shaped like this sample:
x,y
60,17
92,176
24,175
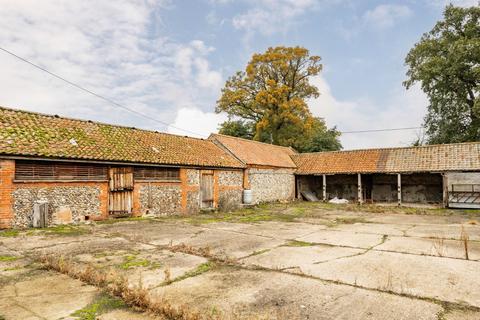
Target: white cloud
x,y
386,15
404,109
198,121
271,16
108,47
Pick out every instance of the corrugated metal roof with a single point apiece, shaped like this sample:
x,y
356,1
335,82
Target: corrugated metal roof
x,y
257,153
445,157
32,134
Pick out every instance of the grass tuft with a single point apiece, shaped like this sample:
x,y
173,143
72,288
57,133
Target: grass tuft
x,y
9,233
8,258
63,230
131,261
296,243
102,304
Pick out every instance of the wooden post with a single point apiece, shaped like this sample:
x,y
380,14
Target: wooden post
x,y
399,189
298,183
360,196
324,188
445,190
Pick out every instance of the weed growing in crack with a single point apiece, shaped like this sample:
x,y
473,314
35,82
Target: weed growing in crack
x,y
168,275
118,286
464,237
439,246
297,243
204,267
256,253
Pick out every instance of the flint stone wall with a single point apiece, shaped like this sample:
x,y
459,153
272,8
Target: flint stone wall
x,y
229,200
230,178
193,202
193,177
160,200
80,201
270,185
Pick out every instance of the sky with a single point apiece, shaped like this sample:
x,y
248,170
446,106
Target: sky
x,y
169,60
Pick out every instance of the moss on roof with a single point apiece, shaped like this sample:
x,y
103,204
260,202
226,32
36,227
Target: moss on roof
x,y
25,133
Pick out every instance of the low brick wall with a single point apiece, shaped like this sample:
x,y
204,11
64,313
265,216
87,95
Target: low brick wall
x,y
269,185
7,172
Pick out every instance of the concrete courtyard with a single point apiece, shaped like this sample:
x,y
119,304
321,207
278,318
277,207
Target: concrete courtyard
x,y
282,261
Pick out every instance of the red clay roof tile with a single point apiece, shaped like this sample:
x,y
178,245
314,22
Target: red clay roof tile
x,y
446,157
258,153
32,134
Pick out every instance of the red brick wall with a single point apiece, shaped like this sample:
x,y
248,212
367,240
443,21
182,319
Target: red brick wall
x,y
7,173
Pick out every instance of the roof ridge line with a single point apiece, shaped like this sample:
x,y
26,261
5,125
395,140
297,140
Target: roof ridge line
x,y
264,143
389,148
97,122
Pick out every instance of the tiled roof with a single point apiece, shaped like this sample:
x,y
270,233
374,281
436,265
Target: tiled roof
x,y
446,157
31,134
257,153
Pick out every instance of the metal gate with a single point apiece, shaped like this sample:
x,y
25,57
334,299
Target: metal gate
x,y
206,189
464,196
120,196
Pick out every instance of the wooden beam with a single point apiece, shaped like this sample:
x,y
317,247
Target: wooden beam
x,y
360,196
445,190
324,188
399,189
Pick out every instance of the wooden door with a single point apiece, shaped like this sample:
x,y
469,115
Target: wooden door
x,y
120,196
206,189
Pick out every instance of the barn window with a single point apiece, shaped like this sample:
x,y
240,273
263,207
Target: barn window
x,y
38,170
154,173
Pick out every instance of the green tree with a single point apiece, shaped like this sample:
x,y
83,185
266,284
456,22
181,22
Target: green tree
x,y
237,128
446,62
269,97
320,138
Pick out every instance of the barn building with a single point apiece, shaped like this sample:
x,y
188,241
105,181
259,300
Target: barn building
x,y
447,174
86,170
269,169
82,170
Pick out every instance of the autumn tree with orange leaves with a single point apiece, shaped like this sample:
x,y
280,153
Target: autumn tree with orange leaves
x,y
267,101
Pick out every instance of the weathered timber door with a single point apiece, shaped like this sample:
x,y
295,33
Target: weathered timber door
x,y
206,189
120,196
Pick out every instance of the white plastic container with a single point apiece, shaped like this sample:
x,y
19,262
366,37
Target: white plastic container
x,y
247,196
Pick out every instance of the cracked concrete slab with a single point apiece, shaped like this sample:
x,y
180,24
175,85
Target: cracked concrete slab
x,y
347,256
417,219
462,315
254,294
146,268
299,257
273,229
452,231
374,228
435,247
155,233
32,298
343,238
451,280
232,244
